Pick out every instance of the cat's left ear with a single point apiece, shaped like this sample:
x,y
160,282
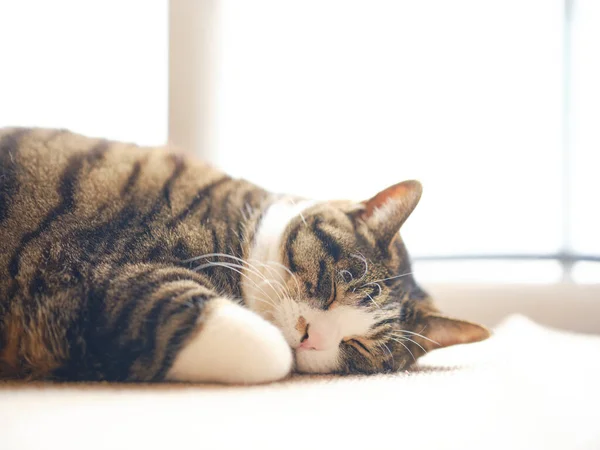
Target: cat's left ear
x,y
442,331
385,213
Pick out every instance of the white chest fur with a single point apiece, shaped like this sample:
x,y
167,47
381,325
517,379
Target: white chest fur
x,y
262,285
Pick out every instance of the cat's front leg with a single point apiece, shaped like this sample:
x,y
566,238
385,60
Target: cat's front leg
x,y
231,344
157,322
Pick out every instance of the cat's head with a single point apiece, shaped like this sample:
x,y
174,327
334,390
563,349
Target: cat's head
x,y
336,278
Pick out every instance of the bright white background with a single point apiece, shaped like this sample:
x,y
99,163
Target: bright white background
x,y
96,67
479,99
585,127
465,95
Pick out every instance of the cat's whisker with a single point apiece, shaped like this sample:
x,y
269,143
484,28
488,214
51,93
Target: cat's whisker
x,y
226,265
389,278
374,302
280,288
413,341
256,271
278,264
259,274
214,255
364,260
407,349
374,283
421,336
303,219
235,258
382,346
268,303
273,271
196,258
342,272
293,202
264,280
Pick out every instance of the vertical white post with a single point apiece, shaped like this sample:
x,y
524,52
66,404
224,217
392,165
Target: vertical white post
x,y
566,253
191,23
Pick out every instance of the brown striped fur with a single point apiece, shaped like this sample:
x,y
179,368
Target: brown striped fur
x,y
95,239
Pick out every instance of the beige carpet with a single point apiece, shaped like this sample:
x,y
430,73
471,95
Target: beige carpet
x,y
528,387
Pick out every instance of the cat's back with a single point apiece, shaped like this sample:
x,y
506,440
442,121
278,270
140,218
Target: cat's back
x,y
46,170
63,194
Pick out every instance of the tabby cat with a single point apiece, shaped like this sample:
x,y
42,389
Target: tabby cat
x,y
126,263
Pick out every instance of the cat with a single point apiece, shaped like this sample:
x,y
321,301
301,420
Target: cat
x,y
126,263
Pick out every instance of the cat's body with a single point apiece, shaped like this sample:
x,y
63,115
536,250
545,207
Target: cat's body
x,y
119,262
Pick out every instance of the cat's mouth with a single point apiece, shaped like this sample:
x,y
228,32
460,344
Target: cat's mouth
x,y
305,349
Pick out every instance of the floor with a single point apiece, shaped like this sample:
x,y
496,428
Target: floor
x,y
527,387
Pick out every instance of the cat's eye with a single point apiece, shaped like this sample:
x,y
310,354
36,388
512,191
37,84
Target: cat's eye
x,y
357,345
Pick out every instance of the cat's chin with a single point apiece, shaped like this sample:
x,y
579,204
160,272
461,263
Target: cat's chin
x,y
317,361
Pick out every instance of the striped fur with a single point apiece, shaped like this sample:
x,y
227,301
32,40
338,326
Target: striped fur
x,y
102,274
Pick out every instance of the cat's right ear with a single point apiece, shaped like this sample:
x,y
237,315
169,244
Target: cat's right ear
x,y
441,331
385,213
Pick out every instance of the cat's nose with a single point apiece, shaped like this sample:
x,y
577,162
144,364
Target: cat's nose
x,y
314,339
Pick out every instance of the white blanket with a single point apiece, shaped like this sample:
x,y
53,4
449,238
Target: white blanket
x,y
528,387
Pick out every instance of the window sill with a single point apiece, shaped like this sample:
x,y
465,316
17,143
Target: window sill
x,y
569,306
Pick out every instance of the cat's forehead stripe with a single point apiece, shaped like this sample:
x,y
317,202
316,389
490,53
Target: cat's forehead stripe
x,y
265,252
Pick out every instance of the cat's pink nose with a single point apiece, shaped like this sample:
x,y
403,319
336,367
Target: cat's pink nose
x,y
314,341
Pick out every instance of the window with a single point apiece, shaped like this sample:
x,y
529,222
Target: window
x,y
584,132
492,105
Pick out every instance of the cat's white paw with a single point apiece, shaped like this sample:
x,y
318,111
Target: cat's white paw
x,y
233,345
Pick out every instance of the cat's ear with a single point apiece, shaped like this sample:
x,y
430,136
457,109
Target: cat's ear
x,y
385,213
442,331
